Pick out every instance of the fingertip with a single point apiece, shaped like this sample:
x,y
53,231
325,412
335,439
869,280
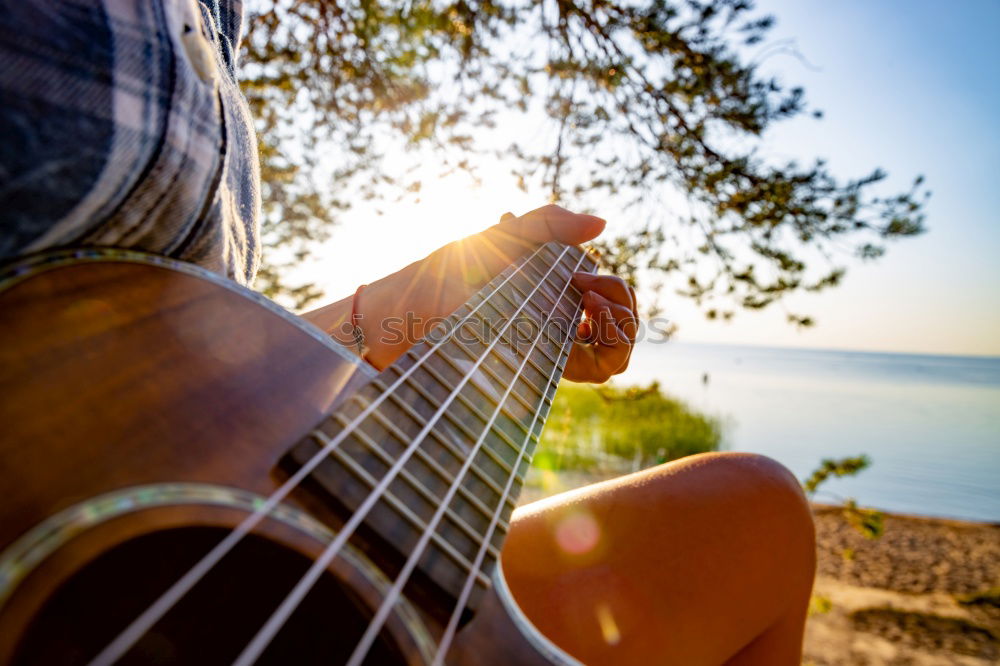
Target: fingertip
x,y
599,224
588,227
575,228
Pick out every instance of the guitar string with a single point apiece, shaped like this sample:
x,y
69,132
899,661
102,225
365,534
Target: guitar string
x,y
144,622
451,628
394,592
278,618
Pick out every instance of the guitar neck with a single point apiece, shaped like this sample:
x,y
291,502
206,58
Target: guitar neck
x,y
435,449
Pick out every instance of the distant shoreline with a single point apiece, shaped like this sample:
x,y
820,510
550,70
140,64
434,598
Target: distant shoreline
x,y
836,350
943,520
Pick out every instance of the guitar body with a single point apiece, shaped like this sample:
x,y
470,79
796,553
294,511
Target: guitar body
x,y
146,407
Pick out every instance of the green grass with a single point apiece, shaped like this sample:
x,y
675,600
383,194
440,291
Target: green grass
x,y
594,429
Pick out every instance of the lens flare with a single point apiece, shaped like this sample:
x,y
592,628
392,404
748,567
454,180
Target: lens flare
x,y
578,533
609,628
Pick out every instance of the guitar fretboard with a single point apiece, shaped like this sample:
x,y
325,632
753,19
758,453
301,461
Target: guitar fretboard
x,y
480,384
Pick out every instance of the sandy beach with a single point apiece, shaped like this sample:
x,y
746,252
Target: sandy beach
x,y
927,592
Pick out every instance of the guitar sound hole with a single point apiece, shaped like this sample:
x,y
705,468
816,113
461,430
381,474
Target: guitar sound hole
x,y
214,621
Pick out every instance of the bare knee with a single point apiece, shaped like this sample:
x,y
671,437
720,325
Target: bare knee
x,y
777,506
756,497
740,491
712,550
776,496
753,465
770,487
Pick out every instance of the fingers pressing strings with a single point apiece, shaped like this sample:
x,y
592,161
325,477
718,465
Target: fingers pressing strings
x,y
610,344
611,324
618,296
610,327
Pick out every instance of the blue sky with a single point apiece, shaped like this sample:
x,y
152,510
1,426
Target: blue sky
x,y
910,86
913,87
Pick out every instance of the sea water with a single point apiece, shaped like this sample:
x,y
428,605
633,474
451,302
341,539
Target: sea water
x,y
930,424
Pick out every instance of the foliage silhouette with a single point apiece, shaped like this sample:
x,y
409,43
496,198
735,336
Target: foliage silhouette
x,y
654,109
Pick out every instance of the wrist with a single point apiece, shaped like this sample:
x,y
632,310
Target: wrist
x,y
375,311
334,319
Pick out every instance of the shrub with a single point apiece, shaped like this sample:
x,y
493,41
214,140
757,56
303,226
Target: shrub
x,y
604,427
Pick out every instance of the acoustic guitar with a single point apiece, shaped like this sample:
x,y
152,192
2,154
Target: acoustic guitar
x,y
191,474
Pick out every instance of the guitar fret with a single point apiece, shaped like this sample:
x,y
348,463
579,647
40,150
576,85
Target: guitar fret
x,y
541,371
589,263
571,270
485,478
538,277
362,474
429,461
492,373
472,408
554,387
543,408
450,447
566,261
506,339
525,296
544,283
416,485
558,260
565,277
548,399
506,467
464,428
510,344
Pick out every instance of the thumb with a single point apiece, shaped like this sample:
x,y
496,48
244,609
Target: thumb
x,y
552,223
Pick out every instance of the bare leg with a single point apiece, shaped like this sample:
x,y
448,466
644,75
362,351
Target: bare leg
x,y
704,560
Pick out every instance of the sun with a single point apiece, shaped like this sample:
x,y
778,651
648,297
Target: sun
x,y
375,239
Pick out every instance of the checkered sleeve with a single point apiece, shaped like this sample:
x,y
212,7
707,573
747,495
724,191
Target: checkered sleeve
x,y
123,125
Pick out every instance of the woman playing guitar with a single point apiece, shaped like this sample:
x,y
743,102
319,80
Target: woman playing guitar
x,y
123,126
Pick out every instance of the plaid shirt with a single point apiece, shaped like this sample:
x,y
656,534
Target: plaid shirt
x,y
122,124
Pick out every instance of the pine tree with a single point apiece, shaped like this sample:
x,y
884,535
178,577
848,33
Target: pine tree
x,y
644,101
